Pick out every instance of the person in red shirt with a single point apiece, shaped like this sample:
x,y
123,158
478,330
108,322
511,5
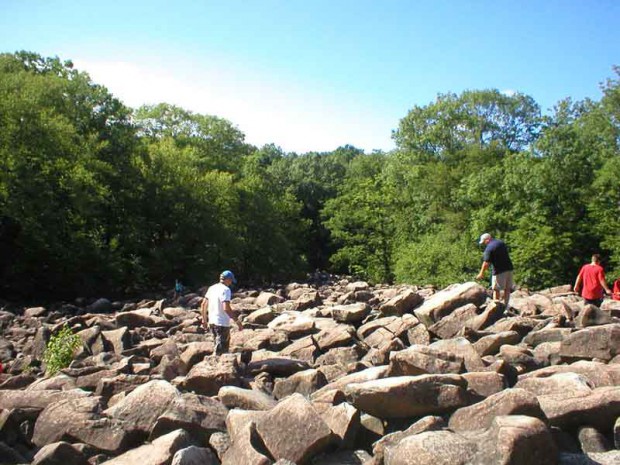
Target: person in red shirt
x,y
591,281
616,290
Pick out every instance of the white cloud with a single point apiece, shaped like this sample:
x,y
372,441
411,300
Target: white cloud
x,y
295,118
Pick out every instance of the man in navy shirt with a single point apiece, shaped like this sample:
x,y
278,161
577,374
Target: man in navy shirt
x,y
496,254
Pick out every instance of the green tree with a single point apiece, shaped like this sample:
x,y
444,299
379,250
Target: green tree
x,y
360,221
440,257
604,199
61,137
186,216
478,117
314,178
270,227
219,144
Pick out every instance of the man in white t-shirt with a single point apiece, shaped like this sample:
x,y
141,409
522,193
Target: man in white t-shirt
x,y
217,313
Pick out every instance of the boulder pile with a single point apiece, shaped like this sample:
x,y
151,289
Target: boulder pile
x,y
322,374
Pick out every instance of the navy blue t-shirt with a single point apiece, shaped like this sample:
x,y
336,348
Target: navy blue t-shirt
x,y
496,253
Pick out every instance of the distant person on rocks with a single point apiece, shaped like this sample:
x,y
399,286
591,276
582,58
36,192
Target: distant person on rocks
x,y
496,254
178,289
217,313
591,282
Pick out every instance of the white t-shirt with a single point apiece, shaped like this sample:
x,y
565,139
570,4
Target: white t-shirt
x,y
217,295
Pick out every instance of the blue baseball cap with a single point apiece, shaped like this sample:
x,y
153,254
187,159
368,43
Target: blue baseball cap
x,y
228,275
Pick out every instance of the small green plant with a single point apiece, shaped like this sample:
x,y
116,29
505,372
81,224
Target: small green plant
x,y
60,349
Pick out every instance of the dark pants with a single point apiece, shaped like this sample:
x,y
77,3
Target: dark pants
x,y
221,335
597,302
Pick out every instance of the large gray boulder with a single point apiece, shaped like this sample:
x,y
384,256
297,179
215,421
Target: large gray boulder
x,y
515,440
37,400
409,396
431,447
80,419
294,430
591,315
246,399
208,376
428,423
402,303
508,402
59,453
194,455
344,421
490,345
421,360
142,407
244,448
598,374
536,338
159,452
599,408
601,342
445,302
201,416
451,324
352,313
567,384
304,382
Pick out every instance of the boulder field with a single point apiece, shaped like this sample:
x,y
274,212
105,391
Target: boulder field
x,y
337,372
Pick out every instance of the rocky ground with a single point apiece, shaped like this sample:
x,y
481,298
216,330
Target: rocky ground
x,y
337,373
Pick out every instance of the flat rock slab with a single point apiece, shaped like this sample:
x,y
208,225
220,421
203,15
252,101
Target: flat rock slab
x,y
201,416
602,342
402,303
246,399
409,396
445,302
568,384
600,408
352,313
508,402
36,400
598,374
422,360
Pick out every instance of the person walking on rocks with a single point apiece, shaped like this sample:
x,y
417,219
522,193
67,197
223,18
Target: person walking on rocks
x,y
178,289
217,313
496,254
591,282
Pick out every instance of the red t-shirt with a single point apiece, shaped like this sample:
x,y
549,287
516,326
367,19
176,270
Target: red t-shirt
x,y
616,290
591,277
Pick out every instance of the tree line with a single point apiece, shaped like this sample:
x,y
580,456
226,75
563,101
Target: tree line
x,y
99,198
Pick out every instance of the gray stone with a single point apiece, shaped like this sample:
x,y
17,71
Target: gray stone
x,y
293,430
409,396
446,301
508,402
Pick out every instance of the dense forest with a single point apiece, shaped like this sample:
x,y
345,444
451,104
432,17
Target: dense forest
x,y
98,198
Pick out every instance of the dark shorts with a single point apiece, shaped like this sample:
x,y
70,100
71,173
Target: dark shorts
x,y
597,302
221,336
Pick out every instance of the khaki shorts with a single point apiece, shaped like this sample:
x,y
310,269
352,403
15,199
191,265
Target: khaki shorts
x,y
502,281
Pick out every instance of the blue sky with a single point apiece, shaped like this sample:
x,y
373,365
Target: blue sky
x,y
314,75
